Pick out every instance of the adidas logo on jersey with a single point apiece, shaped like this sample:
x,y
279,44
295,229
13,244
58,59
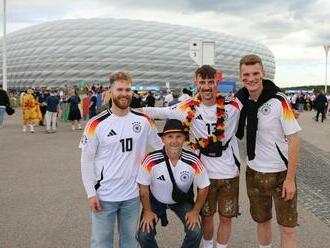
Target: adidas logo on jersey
x,y
161,178
199,117
111,133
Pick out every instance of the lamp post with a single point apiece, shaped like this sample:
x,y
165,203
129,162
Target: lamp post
x,y
326,49
4,55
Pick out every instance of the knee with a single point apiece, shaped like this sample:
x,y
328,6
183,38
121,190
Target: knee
x,y
225,221
287,231
143,236
196,233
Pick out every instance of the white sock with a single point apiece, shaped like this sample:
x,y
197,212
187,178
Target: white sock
x,y
221,246
265,246
208,243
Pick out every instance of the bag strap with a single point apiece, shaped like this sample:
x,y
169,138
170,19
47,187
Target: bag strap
x,y
169,168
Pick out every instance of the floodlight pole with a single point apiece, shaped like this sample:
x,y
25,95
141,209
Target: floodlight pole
x,y
4,54
326,49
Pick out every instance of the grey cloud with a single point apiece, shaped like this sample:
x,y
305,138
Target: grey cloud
x,y
274,27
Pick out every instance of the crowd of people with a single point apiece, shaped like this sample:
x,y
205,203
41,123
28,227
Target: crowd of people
x,y
198,146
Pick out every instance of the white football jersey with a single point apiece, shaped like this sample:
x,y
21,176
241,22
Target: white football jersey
x,y
189,169
275,121
202,126
114,147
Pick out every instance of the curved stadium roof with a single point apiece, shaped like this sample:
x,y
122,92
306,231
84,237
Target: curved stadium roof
x,y
67,51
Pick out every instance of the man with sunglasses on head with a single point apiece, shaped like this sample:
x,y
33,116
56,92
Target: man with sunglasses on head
x,y
212,123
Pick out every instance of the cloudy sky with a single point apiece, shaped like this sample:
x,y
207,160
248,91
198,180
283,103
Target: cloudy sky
x,y
295,30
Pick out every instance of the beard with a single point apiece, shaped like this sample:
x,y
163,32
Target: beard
x,y
116,101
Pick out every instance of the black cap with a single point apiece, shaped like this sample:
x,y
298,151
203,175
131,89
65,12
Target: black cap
x,y
172,126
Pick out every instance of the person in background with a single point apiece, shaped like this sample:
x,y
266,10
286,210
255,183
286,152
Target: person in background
x,y
176,95
168,98
41,97
136,100
52,109
31,110
185,95
320,106
86,103
92,105
74,111
4,101
150,100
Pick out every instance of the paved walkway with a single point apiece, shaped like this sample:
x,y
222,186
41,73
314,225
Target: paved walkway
x,y
43,203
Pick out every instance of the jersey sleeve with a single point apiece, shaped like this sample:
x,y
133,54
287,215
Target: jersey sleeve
x,y
144,175
88,145
177,111
201,178
89,141
153,138
288,121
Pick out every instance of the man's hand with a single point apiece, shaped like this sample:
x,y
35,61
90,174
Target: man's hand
x,y
288,189
192,219
94,203
148,221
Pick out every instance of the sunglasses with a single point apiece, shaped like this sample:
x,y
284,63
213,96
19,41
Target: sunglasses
x,y
207,81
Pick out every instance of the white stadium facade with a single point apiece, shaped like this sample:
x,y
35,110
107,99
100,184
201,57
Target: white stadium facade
x,y
68,52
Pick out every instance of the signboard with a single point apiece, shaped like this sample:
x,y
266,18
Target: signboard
x,y
202,52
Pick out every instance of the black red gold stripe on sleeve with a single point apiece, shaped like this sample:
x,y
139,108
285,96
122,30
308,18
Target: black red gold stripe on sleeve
x,y
92,124
184,105
151,122
287,110
151,160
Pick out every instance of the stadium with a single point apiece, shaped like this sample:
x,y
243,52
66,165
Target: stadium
x,y
72,52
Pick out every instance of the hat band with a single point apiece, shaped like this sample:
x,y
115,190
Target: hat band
x,y
173,130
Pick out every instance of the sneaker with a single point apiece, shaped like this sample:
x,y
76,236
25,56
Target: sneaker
x,y
79,127
31,128
24,129
73,128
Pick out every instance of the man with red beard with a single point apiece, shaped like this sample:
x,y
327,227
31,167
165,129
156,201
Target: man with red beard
x,y
112,145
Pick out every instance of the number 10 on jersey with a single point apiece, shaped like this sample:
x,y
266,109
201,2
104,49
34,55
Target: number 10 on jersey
x,y
126,144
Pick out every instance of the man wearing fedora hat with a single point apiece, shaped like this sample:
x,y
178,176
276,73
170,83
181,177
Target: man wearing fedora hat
x,y
166,180
212,123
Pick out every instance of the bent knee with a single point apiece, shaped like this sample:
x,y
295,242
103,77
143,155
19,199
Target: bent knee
x,y
143,236
195,233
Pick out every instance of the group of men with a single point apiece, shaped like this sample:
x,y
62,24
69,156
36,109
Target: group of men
x,y
114,144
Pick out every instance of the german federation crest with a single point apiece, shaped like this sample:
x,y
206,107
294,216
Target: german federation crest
x,y
184,177
137,127
265,109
